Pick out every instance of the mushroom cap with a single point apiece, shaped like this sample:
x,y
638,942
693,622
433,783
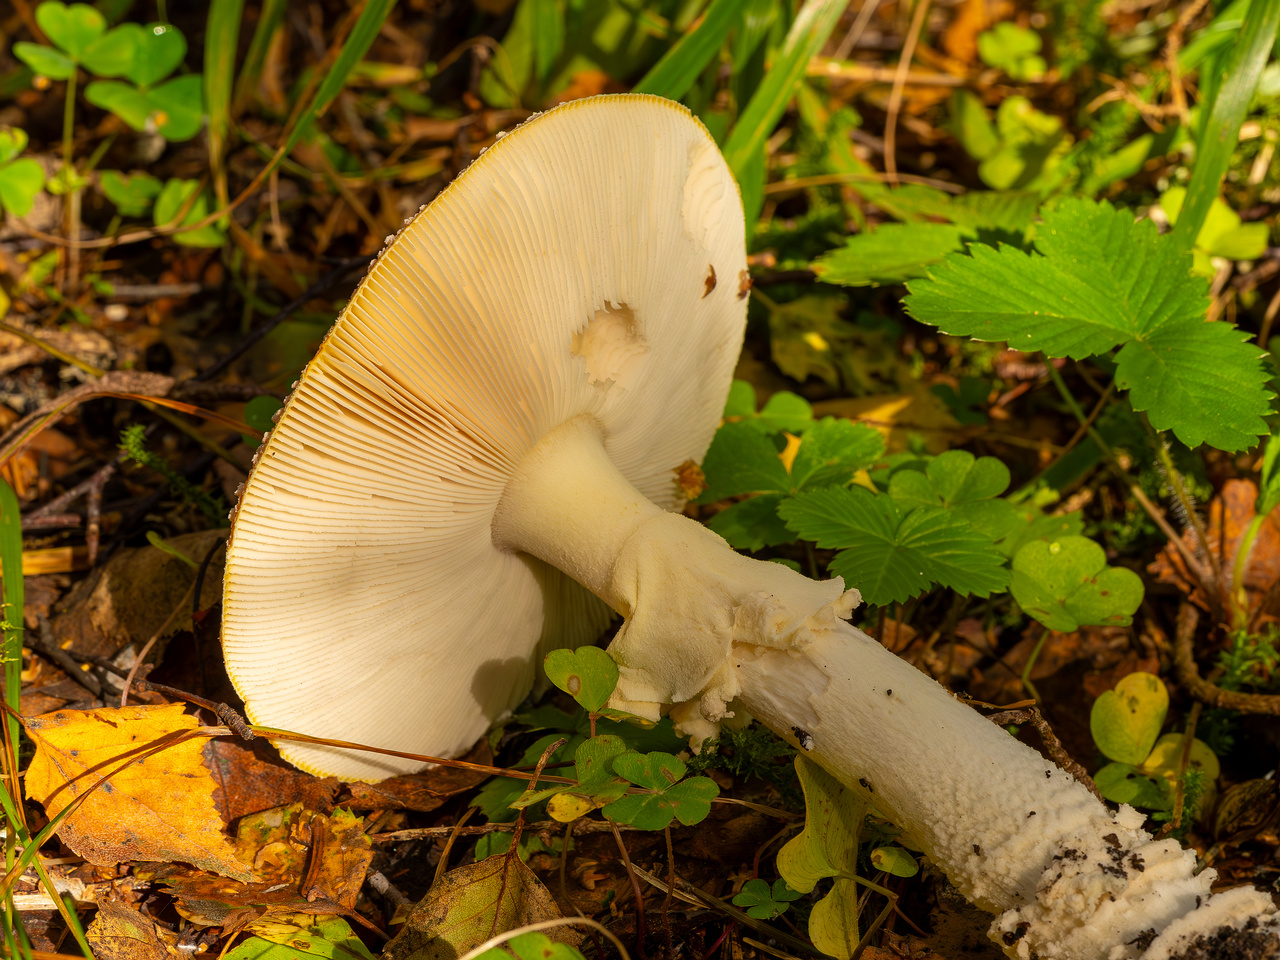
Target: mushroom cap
x,y
590,262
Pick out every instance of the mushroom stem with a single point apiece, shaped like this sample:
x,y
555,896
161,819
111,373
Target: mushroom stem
x,y
705,626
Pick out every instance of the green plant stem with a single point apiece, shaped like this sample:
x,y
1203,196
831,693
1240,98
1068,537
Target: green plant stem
x,y
1184,499
1025,676
11,611
1240,74
69,121
1238,596
1193,563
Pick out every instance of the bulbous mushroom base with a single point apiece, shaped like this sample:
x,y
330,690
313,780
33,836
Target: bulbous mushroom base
x,y
708,631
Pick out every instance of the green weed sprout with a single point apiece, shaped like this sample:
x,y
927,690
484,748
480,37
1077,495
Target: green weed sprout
x,y
132,443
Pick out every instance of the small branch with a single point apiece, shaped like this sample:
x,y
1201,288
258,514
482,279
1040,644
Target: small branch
x,y
635,889
1051,743
1211,694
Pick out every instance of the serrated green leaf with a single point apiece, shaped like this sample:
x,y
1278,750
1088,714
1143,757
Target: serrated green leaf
x,y
893,253
1126,721
72,27
1205,382
832,450
587,674
742,460
1101,281
964,485
753,524
1066,584
893,556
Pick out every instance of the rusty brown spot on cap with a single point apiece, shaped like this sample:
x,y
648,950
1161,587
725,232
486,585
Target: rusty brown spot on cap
x,y
710,281
744,284
691,480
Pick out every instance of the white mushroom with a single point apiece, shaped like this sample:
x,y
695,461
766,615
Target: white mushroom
x,y
506,401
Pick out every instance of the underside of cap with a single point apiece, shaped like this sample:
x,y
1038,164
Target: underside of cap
x,y
591,263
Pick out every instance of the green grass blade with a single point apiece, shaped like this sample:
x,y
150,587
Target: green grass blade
x,y
675,73
745,146
11,561
358,42
1242,68
222,33
251,70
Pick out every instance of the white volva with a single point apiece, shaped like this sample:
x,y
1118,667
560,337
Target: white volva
x,y
498,417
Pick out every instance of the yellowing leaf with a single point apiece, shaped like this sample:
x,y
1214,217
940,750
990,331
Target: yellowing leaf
x,y
157,807
828,845
833,924
471,904
120,932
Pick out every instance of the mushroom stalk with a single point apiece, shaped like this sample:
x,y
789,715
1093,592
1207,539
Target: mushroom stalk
x,y
707,631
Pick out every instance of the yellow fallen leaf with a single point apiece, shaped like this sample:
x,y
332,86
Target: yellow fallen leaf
x,y
157,807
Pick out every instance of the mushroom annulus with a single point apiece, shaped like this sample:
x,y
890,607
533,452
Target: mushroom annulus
x,y
495,423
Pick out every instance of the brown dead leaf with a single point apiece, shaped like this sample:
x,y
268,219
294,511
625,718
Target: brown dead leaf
x,y
157,807
1230,514
129,598
473,903
960,39
252,778
120,932
307,863
422,791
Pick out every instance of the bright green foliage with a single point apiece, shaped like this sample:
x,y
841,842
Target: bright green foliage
x,y
1123,783
893,253
827,847
80,37
175,108
963,484
1100,281
1022,150
325,938
496,798
132,195
782,411
1269,481
891,553
688,801
1149,785
676,72
1066,584
597,786
21,178
587,674
743,460
765,902
532,946
894,861
1223,233
1126,721
1034,524
1013,49
172,199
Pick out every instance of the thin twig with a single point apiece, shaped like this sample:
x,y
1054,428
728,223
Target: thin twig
x,y
635,889
899,83
1210,694
1051,743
